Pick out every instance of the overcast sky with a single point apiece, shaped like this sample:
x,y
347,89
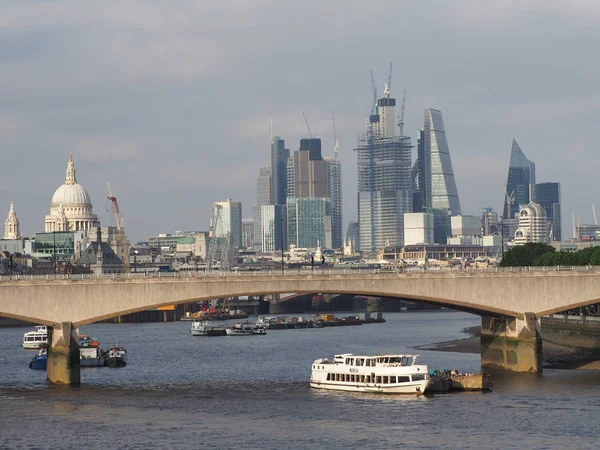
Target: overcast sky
x,y
170,101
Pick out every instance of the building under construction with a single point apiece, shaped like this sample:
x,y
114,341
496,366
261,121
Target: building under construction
x,y
384,175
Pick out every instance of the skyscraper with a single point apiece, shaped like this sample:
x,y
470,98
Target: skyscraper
x,y
311,173
548,195
230,221
521,174
384,180
443,193
334,166
309,222
272,227
263,186
279,156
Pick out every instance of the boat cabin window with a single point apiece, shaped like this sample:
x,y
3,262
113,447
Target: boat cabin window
x,y
393,380
403,379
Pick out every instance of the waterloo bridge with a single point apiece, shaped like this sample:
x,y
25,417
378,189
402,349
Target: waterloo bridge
x,y
510,302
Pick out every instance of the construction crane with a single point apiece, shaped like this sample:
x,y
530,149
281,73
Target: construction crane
x,y
374,87
388,85
510,198
401,121
122,247
594,212
307,127
336,147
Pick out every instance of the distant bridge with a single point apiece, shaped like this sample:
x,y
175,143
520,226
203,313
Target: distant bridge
x,y
518,298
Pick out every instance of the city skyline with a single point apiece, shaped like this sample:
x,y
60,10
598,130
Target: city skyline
x,y
159,116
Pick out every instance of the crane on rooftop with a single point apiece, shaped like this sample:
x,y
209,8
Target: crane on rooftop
x,y
401,121
122,247
307,126
336,147
388,85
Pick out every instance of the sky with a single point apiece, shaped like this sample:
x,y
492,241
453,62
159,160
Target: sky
x,y
171,102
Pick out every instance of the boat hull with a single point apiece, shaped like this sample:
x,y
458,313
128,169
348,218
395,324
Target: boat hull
x,y
411,388
39,364
116,362
34,345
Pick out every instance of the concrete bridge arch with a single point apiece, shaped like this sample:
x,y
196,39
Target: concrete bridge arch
x,y
519,298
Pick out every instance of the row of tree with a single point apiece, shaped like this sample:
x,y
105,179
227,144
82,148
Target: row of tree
x,y
545,255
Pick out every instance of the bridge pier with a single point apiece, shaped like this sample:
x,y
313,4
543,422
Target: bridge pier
x,y
63,355
511,344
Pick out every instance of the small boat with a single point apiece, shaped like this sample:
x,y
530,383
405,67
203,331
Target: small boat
x,y
202,328
115,356
90,353
385,374
40,361
246,329
37,338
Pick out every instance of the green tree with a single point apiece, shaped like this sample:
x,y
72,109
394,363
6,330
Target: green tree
x,y
525,255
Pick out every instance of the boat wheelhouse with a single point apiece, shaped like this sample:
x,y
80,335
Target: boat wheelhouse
x,y
115,356
385,374
37,338
202,328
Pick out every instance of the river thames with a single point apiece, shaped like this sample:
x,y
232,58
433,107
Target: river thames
x,y
181,392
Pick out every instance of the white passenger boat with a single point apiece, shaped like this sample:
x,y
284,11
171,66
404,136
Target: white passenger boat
x,y
37,338
202,328
385,374
246,329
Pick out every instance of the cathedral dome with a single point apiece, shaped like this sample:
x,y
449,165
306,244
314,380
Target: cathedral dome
x,y
71,208
71,193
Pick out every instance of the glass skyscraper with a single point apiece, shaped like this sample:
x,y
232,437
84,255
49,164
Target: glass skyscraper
x,y
548,195
230,222
309,222
521,174
279,157
334,165
443,193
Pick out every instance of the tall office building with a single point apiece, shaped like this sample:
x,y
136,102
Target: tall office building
x,y
334,165
548,195
279,157
273,225
290,178
311,173
421,176
230,221
263,186
384,189
443,193
384,179
309,222
521,174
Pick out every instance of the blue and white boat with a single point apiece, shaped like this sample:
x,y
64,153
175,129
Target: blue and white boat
x,y
39,361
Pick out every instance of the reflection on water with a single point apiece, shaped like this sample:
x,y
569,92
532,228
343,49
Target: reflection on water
x,y
184,392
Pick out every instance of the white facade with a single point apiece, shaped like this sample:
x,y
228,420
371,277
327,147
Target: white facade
x,y
71,207
418,228
533,225
11,224
230,221
465,225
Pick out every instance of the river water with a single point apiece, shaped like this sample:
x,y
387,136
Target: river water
x,y
180,392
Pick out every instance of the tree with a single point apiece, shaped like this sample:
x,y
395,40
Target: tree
x,y
525,255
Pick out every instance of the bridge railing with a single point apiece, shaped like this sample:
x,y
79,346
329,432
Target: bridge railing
x,y
287,272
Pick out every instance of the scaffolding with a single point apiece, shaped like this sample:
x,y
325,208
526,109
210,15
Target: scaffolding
x,y
384,188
